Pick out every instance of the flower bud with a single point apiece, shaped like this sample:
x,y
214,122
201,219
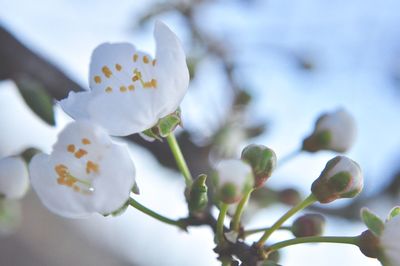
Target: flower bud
x,y
262,161
14,181
233,179
341,178
197,194
289,196
369,244
334,131
311,224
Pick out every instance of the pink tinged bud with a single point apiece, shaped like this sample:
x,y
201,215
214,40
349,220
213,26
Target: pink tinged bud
x,y
262,161
334,131
311,224
369,244
341,178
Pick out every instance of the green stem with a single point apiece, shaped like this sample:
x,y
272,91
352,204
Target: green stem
x,y
353,240
288,157
155,215
180,160
220,222
239,211
304,204
259,230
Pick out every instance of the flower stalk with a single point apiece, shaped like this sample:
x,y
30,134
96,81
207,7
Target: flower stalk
x,y
353,240
155,215
220,223
302,205
180,160
235,225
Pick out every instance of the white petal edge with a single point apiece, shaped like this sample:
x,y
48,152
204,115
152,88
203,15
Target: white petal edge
x,y
14,180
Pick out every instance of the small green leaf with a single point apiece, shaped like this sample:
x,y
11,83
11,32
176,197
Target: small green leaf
x,y
197,197
373,222
37,99
394,212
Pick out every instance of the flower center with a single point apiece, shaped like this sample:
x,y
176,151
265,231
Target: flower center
x,y
118,79
83,185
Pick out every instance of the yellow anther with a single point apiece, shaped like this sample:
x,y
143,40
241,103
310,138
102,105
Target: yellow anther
x,y
154,62
135,57
131,87
106,71
135,78
80,153
92,167
71,148
153,83
97,79
85,141
122,89
118,67
108,89
145,59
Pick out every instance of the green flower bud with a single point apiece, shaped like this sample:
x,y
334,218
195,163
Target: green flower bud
x,y
311,224
197,196
233,178
341,178
334,131
262,160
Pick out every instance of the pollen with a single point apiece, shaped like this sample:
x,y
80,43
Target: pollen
x,y
80,153
135,57
71,148
106,71
92,167
135,78
131,87
97,79
145,59
153,83
118,67
85,141
122,89
108,89
150,84
154,62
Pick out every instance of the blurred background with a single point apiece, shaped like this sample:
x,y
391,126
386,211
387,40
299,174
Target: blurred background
x,y
262,72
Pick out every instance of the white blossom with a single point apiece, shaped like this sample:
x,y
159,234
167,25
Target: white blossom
x,y
86,172
14,180
131,91
390,242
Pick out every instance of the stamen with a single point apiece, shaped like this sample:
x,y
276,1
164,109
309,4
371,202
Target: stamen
x,y
97,79
145,59
106,71
122,89
131,87
80,153
85,141
92,167
65,178
118,67
154,62
71,148
135,57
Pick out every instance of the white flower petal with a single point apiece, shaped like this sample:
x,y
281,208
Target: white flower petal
x,y
390,241
86,173
234,171
130,91
14,181
171,70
